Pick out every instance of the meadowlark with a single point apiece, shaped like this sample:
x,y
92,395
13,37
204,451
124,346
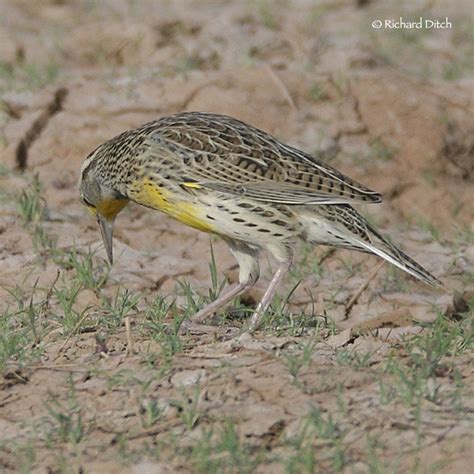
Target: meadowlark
x,y
222,176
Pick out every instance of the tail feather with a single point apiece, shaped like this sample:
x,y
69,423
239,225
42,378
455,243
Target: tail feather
x,y
342,226
400,259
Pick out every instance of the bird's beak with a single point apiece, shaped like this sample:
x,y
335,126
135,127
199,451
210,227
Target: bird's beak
x,y
107,229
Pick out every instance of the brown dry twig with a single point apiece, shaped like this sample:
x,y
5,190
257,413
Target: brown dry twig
x,y
53,107
76,327
46,303
326,255
59,368
282,87
361,288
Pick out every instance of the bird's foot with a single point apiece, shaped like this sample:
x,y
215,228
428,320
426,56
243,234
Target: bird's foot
x,y
189,327
241,340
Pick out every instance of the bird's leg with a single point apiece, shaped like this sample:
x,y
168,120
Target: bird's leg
x,y
249,272
130,346
276,280
210,309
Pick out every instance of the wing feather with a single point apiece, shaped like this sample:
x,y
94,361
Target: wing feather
x,y
223,154
280,193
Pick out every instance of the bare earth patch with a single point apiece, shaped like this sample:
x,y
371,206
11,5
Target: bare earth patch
x,y
358,368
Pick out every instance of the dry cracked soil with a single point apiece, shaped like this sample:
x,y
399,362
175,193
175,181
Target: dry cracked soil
x,y
357,368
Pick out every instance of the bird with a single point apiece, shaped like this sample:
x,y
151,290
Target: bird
x,y
222,176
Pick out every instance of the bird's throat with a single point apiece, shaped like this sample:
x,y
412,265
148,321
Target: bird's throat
x,y
111,207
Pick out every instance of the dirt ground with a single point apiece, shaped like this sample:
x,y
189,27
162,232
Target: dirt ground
x,y
358,368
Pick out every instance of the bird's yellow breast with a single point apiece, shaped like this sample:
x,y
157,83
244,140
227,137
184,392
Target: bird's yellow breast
x,y
149,194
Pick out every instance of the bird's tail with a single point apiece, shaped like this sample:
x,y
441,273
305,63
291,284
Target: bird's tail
x,y
342,226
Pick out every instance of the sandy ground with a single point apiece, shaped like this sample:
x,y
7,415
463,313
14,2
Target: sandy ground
x,y
315,391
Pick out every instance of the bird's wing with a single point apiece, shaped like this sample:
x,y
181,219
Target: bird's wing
x,y
223,154
267,191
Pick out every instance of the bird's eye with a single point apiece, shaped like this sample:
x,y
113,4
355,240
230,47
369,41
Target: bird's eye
x,y
86,202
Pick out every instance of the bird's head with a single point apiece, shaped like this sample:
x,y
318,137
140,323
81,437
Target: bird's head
x,y
102,201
